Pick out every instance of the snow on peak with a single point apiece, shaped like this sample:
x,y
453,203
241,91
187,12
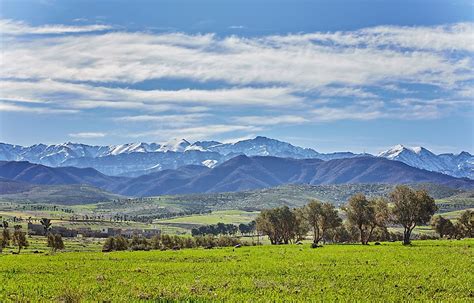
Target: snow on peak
x,y
209,163
398,149
175,145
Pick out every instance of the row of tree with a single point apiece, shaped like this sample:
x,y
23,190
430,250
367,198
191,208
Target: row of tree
x,y
224,229
164,242
366,218
18,237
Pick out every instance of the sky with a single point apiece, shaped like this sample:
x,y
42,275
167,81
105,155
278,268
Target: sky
x,y
330,75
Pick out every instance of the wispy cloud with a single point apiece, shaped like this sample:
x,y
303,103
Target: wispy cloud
x,y
11,27
195,133
301,61
87,135
271,120
261,81
9,107
89,96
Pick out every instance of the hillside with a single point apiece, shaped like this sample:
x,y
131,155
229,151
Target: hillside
x,y
240,173
247,173
291,195
39,174
55,194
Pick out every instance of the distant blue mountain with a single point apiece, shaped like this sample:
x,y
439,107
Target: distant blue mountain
x,y
237,174
135,159
247,173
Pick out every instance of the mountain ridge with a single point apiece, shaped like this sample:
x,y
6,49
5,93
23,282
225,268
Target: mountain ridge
x,y
134,159
237,174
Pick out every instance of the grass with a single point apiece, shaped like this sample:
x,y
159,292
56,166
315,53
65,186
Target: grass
x,y
453,215
426,271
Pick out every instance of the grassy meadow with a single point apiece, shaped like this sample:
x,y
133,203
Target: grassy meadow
x,y
438,270
224,216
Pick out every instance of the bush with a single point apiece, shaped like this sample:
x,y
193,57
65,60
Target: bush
x,y
116,243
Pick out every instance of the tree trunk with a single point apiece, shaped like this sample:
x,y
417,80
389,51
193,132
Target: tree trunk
x,y
369,235
361,230
406,236
316,235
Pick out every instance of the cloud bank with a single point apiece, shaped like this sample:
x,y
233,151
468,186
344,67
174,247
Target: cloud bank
x,y
236,85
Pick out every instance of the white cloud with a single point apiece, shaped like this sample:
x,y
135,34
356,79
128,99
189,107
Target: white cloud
x,y
328,114
11,27
299,61
88,96
271,120
451,37
9,107
196,132
275,78
88,135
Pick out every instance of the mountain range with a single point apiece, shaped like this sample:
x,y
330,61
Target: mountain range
x,y
237,174
136,159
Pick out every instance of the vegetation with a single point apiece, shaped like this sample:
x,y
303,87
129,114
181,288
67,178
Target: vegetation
x,y
366,215
19,238
425,271
55,242
164,242
460,229
411,208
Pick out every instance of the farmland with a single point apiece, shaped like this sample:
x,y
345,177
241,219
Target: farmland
x,y
428,270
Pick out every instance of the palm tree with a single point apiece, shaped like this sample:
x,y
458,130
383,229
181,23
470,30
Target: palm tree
x,y
46,224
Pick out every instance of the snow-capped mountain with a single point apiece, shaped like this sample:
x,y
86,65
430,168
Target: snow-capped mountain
x,y
260,146
460,165
134,159
175,145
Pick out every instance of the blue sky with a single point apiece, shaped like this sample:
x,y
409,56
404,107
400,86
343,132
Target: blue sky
x,y
331,75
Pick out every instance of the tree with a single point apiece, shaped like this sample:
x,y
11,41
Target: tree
x,y
381,216
321,218
19,238
466,221
46,225
6,237
360,214
302,226
286,223
442,226
55,242
411,208
279,224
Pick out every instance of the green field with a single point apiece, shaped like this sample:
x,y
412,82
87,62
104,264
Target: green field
x,y
426,271
225,216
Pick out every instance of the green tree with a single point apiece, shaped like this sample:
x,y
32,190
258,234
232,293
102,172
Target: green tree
x,y
6,237
19,238
442,226
279,224
381,216
411,208
321,217
466,221
361,214
302,226
55,242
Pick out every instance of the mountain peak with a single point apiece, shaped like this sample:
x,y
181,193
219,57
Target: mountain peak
x,y
175,145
